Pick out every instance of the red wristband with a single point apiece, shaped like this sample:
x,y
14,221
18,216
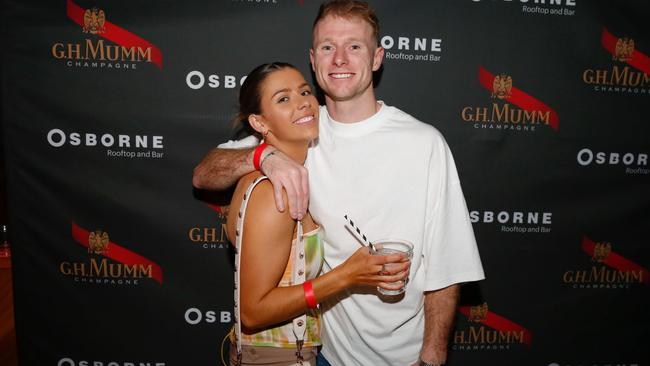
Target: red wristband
x,y
309,295
257,154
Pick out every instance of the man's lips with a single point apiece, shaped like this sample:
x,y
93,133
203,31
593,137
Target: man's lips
x,y
341,75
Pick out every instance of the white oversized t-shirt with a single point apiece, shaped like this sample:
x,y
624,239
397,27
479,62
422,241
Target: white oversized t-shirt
x,y
396,177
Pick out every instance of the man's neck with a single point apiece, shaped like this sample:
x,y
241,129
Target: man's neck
x,y
352,111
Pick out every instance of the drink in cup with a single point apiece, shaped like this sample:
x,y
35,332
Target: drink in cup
x,y
391,246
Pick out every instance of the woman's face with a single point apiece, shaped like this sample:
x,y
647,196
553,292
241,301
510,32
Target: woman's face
x,y
289,110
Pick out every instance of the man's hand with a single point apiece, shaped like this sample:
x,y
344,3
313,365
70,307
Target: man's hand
x,y
284,172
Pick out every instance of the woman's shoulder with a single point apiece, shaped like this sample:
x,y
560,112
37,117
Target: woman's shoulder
x,y
247,180
262,191
264,199
261,203
237,199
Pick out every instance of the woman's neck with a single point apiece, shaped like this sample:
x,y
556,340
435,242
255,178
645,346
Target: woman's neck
x,y
297,151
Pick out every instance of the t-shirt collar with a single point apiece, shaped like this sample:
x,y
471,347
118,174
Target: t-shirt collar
x,y
357,128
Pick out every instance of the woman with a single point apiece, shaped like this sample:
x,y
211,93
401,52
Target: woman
x,y
276,266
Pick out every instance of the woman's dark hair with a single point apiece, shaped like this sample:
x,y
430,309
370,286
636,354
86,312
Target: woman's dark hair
x,y
250,93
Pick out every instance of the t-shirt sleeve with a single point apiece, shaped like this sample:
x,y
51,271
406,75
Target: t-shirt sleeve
x,y
450,251
246,142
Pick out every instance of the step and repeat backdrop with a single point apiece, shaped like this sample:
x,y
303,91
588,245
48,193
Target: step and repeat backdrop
x,y
108,105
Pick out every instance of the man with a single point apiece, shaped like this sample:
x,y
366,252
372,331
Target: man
x,y
395,176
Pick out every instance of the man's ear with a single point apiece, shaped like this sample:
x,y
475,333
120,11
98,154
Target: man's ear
x,y
377,58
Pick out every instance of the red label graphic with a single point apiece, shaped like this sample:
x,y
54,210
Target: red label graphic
x,y
118,253
520,98
116,34
637,60
498,322
615,260
217,208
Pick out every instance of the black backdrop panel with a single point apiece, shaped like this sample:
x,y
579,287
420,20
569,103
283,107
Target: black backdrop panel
x,y
118,260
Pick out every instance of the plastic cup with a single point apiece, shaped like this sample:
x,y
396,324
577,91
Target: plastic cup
x,y
391,246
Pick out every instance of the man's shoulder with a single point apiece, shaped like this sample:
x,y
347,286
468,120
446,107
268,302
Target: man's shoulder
x,y
405,122
246,142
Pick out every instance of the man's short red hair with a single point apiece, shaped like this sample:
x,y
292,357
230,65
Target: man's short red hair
x,y
350,9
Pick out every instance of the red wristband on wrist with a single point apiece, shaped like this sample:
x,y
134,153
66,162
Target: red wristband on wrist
x,y
257,154
309,295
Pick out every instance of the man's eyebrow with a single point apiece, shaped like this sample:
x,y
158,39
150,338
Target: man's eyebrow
x,y
346,40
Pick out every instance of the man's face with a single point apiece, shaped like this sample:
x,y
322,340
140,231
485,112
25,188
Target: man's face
x,y
343,56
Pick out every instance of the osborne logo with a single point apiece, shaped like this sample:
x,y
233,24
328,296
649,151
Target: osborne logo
x,y
196,80
405,48
261,2
542,2
118,146
594,364
258,1
516,221
67,361
634,163
540,7
511,108
194,316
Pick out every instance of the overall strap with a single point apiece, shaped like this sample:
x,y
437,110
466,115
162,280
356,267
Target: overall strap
x,y
297,275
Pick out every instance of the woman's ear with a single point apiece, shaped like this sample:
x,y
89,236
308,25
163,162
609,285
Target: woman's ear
x,y
255,120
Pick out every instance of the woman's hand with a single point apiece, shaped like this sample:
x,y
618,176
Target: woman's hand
x,y
385,271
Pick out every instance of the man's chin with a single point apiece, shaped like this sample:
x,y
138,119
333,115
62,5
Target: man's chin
x,y
340,97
